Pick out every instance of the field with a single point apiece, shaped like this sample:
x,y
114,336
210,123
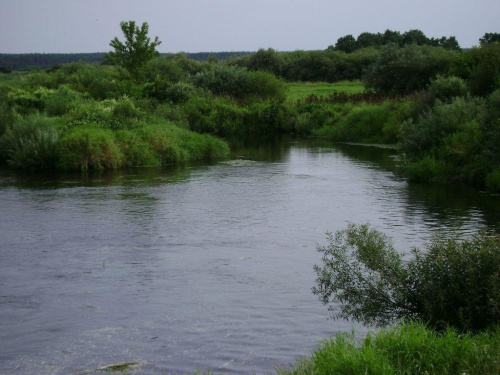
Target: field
x,y
301,90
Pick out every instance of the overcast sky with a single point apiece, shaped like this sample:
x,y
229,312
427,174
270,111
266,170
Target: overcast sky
x,y
67,26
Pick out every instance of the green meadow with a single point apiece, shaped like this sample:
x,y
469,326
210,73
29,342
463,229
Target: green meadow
x,y
302,90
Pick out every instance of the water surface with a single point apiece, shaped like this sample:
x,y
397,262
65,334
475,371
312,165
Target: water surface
x,y
197,267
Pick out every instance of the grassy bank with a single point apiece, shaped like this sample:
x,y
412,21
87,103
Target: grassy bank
x,y
302,90
406,349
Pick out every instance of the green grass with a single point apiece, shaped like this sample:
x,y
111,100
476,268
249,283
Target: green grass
x,y
406,349
301,90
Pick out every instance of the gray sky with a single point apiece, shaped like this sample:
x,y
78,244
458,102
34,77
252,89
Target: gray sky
x,y
51,26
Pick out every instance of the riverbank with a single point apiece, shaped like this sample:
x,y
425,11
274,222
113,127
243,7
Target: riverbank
x,y
84,117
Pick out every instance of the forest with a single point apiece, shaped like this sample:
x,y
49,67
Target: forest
x,y
438,104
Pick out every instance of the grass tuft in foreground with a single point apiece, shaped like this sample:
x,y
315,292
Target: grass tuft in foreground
x,y
408,349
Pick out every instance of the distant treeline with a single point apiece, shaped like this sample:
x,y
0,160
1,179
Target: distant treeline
x,y
23,61
350,44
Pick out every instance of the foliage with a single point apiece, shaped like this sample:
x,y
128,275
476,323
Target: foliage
x,y
455,283
493,181
268,60
350,44
239,83
427,134
137,49
346,44
87,148
489,38
446,88
362,124
409,349
449,141
405,70
485,69
62,101
302,90
31,143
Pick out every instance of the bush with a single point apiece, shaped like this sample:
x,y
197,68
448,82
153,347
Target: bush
x,y
136,152
453,283
239,83
425,169
61,101
493,181
172,144
407,69
425,136
446,88
31,143
87,148
363,124
176,93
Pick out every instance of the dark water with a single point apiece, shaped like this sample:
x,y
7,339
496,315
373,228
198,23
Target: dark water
x,y
197,267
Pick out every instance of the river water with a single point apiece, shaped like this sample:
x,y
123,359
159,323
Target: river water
x,y
197,267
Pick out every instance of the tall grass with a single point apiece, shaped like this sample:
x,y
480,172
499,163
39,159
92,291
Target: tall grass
x,y
409,349
302,90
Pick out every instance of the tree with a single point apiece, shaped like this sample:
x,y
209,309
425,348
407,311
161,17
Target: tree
x,y
415,36
490,38
137,49
346,44
391,36
452,282
369,40
404,70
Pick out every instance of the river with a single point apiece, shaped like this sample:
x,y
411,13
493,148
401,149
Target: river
x,y
198,267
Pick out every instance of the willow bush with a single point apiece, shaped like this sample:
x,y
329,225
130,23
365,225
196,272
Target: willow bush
x,y
451,283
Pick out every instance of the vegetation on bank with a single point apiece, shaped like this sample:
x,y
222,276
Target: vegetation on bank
x,y
409,349
443,304
440,105
452,283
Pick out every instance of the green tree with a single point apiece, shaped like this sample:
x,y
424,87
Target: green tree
x,y
369,40
137,49
415,36
489,38
346,44
407,69
452,282
391,36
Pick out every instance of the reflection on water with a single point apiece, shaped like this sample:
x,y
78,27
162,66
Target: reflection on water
x,y
200,266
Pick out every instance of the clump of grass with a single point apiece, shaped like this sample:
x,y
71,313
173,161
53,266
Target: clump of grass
x,y
85,148
302,90
31,143
408,349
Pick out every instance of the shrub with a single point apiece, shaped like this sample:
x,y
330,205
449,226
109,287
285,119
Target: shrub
x,y
425,135
407,69
172,144
165,68
135,150
446,88
239,83
176,93
28,101
425,169
31,143
61,101
493,181
362,124
86,148
455,283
